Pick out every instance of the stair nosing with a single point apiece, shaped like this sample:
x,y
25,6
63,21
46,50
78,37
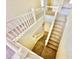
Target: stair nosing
x,y
53,39
53,43
52,47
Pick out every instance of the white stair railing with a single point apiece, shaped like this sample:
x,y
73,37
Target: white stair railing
x,y
18,26
21,23
54,9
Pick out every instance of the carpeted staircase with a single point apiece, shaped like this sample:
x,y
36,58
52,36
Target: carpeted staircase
x,y
50,50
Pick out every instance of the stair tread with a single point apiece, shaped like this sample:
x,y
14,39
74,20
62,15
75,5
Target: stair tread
x,y
61,21
54,36
58,26
53,40
53,43
56,33
56,40
52,46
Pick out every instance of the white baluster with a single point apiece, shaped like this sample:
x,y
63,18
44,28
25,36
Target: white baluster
x,y
20,24
33,11
22,20
27,21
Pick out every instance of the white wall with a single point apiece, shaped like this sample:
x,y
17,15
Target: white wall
x,y
18,7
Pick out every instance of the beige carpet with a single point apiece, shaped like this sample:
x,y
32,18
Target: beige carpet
x,y
39,46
